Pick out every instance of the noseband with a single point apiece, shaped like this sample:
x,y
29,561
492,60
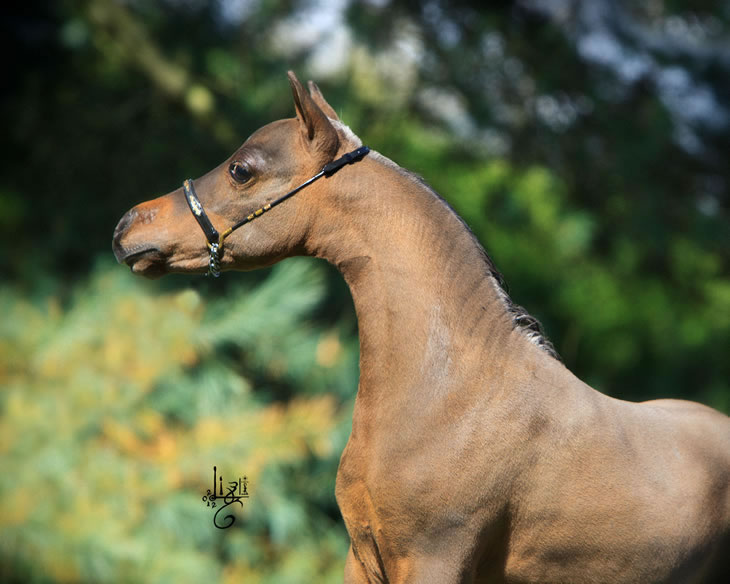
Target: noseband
x,y
215,239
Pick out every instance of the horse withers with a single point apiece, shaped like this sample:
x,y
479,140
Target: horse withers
x,y
475,455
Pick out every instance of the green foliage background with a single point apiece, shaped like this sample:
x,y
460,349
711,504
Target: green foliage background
x,y
118,395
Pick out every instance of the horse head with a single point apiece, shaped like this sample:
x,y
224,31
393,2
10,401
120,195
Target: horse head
x,y
161,236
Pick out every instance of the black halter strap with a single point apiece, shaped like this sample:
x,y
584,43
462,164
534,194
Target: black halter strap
x,y
215,239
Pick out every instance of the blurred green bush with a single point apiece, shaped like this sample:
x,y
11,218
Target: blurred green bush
x,y
116,405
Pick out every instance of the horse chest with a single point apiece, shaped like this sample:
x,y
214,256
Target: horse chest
x,y
393,499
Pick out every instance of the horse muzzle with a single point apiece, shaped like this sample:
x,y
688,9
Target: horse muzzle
x,y
129,246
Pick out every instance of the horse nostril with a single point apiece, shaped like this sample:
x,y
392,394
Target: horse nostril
x,y
120,230
124,222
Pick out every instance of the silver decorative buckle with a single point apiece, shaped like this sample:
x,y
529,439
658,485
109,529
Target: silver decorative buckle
x,y
214,263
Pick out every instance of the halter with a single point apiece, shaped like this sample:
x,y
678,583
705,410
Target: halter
x,y
215,239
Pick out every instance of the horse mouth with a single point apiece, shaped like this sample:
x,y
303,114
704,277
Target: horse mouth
x,y
147,261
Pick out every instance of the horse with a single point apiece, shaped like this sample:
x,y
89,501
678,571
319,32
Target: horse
x,y
475,454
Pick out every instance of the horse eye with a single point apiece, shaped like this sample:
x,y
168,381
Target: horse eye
x,y
239,172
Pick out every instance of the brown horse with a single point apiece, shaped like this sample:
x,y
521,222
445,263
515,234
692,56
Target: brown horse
x,y
475,455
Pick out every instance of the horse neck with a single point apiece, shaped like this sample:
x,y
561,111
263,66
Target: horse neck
x,y
430,313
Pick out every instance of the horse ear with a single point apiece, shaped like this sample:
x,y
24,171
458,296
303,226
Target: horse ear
x,y
316,127
319,99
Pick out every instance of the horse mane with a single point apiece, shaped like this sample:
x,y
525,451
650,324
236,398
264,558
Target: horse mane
x,y
521,319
